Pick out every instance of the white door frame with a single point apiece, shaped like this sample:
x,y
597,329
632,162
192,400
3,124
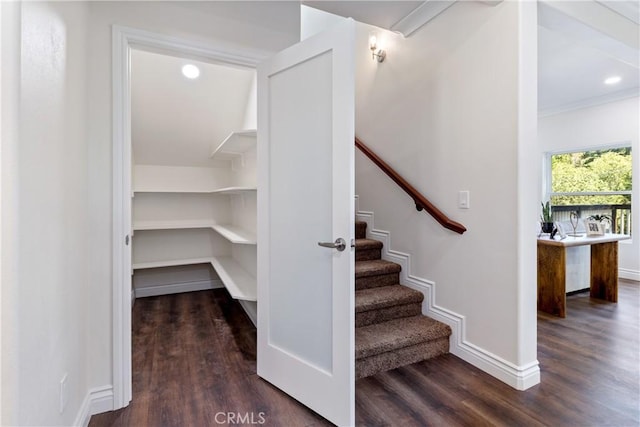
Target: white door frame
x,y
123,40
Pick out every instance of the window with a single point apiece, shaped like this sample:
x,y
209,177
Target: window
x,y
592,183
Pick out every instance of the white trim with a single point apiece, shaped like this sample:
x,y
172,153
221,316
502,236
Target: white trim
x,y
628,274
592,193
425,12
598,147
97,401
623,8
121,220
420,16
124,39
175,288
589,102
518,377
546,167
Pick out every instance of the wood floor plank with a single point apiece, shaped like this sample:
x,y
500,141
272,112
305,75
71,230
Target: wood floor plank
x,y
194,357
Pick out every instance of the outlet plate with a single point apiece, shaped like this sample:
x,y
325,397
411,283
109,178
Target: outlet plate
x,y
64,392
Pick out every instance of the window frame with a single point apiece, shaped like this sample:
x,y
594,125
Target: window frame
x,y
547,173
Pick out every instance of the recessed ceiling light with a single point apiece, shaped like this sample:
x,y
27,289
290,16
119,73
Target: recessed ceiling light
x,y
190,71
612,80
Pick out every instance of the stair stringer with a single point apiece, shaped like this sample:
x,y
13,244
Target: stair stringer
x,y
518,377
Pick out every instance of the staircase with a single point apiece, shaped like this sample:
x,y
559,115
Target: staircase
x,y
390,328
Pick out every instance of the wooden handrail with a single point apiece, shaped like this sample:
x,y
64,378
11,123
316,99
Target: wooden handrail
x,y
420,201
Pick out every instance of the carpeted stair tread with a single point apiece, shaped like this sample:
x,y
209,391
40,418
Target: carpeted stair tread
x,y
385,314
401,357
390,329
361,229
386,296
368,249
375,268
365,244
397,334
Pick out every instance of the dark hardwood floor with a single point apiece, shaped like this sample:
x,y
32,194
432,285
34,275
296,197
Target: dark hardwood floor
x,y
194,363
194,358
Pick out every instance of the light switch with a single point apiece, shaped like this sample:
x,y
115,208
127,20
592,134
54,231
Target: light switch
x,y
463,199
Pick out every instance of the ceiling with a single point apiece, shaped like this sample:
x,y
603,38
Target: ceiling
x,y
574,58
176,121
281,16
571,74
383,14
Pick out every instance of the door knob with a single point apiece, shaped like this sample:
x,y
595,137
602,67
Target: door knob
x,y
339,244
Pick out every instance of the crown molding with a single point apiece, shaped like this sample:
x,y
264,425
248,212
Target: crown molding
x,y
590,102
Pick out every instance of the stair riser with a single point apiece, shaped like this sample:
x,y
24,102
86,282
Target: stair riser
x,y
377,281
405,356
361,230
388,313
368,254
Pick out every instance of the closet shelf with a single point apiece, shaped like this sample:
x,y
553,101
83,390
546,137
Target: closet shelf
x,y
235,234
170,263
172,225
172,190
236,144
235,190
240,284
232,233
226,190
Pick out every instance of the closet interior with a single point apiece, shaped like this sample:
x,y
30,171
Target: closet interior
x,y
193,179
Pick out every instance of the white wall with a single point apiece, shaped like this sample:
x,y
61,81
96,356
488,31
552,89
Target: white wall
x,y
48,291
9,125
251,111
178,178
314,21
444,111
607,124
218,24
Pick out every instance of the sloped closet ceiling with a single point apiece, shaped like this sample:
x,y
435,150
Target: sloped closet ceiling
x,y
176,121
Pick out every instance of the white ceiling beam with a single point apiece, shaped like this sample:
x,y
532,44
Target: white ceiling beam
x,y
425,13
628,9
420,16
565,19
596,16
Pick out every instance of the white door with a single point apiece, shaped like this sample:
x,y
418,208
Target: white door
x,y
306,196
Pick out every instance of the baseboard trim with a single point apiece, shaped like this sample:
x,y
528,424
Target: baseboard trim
x,y
625,273
518,377
174,288
97,401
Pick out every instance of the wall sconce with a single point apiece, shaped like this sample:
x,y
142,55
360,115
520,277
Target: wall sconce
x,y
376,53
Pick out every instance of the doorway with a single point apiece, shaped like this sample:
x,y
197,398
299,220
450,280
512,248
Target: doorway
x,y
125,41
284,113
